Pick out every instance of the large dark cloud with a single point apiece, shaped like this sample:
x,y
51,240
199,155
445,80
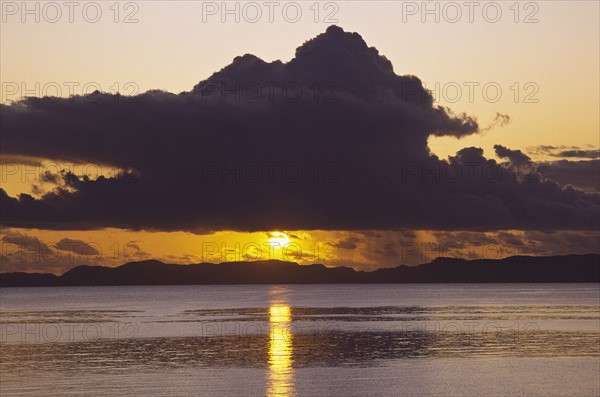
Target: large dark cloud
x,y
227,155
583,174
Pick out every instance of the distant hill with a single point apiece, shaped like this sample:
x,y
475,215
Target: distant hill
x,y
515,269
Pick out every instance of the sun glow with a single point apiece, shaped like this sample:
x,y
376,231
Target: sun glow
x,y
278,239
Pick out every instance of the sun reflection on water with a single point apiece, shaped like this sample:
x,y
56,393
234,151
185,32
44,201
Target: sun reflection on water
x,y
280,352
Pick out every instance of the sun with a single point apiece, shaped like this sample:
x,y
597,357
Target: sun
x,y
278,239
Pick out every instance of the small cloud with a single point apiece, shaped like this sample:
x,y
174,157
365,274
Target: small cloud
x,y
499,121
348,243
587,154
76,246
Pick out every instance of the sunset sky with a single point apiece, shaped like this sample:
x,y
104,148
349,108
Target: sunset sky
x,y
365,199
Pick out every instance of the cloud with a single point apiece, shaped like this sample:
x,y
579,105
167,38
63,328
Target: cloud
x,y
332,140
78,247
519,163
582,174
511,239
23,252
494,245
566,151
349,243
23,241
499,121
514,156
592,154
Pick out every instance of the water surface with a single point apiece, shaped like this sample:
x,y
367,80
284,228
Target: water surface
x,y
294,340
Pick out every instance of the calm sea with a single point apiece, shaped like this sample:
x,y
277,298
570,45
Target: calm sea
x,y
302,340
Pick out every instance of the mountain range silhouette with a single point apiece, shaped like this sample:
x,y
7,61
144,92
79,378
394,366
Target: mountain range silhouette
x,y
515,269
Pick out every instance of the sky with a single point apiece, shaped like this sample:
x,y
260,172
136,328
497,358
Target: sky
x,y
517,79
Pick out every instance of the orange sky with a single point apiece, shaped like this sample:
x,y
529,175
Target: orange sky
x,y
546,70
